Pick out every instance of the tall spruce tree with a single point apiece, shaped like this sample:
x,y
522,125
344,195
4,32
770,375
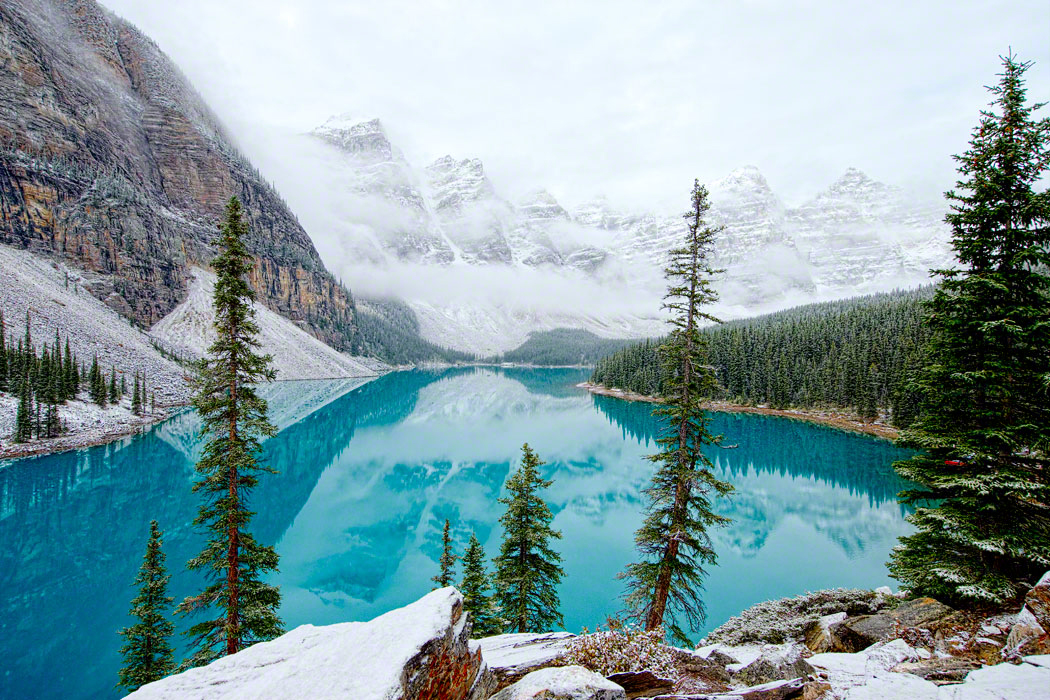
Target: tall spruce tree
x,y
24,414
136,397
147,650
527,569
447,563
243,607
475,589
3,354
114,395
984,420
673,540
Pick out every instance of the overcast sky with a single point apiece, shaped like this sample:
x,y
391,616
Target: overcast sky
x,y
632,100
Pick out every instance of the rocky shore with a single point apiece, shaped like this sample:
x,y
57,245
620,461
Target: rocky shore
x,y
875,645
834,418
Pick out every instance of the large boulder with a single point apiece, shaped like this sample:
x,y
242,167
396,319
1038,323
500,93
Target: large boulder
x,y
1038,601
860,632
419,652
562,683
511,657
817,634
775,663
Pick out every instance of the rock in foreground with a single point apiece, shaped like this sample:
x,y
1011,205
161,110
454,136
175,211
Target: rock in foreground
x,y
562,683
418,652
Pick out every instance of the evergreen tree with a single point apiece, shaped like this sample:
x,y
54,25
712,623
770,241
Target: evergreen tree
x,y
24,415
527,569
673,540
136,397
146,650
72,376
234,419
447,561
3,354
984,423
97,382
113,395
475,589
123,384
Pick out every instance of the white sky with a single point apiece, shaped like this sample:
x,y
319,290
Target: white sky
x,y
629,99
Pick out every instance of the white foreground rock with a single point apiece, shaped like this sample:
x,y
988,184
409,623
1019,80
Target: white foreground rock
x,y
562,683
419,651
511,656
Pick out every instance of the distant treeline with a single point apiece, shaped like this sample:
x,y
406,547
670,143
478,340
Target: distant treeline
x,y
563,347
388,329
855,353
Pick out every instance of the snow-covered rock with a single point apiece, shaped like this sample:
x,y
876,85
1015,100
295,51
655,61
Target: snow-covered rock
x,y
1038,601
296,353
419,651
776,662
510,657
562,683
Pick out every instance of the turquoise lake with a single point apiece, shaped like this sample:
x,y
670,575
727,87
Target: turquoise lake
x,y
369,473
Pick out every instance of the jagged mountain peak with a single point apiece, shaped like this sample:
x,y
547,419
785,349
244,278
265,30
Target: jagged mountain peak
x,y
856,182
361,137
541,204
745,187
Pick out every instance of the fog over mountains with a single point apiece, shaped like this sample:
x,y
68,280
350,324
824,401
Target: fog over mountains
x,y
482,271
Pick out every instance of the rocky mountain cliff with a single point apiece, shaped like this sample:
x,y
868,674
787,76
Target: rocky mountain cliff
x,y
855,233
112,162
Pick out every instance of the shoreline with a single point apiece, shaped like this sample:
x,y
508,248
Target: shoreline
x,y
84,439
831,418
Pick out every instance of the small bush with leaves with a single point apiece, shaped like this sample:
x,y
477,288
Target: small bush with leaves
x,y
623,648
779,621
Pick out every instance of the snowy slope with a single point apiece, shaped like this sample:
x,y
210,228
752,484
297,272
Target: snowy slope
x,y
38,285
296,354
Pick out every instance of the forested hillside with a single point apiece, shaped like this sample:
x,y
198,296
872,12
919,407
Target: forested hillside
x,y
563,347
854,353
388,329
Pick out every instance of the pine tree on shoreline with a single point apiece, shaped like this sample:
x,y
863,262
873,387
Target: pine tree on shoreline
x,y
673,540
527,569
447,563
146,651
984,420
234,420
475,589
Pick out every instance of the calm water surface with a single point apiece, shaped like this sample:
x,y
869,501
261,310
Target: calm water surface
x,y
368,475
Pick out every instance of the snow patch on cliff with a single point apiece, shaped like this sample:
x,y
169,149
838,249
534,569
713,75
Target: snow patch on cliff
x,y
296,353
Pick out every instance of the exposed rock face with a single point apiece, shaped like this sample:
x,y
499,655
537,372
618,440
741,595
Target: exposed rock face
x,y
776,663
111,161
1038,601
818,633
641,684
420,652
562,683
857,633
511,657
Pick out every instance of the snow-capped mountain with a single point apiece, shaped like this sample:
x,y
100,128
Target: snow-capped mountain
x,y
857,236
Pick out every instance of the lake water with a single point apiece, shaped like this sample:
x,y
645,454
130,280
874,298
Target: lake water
x,y
368,475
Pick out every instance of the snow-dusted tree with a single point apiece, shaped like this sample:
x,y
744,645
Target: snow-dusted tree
x,y
984,419
24,414
234,421
527,569
447,563
136,396
146,650
673,540
475,589
114,394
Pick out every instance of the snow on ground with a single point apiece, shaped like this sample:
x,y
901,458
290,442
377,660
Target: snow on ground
x,y
361,660
518,651
296,353
39,286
